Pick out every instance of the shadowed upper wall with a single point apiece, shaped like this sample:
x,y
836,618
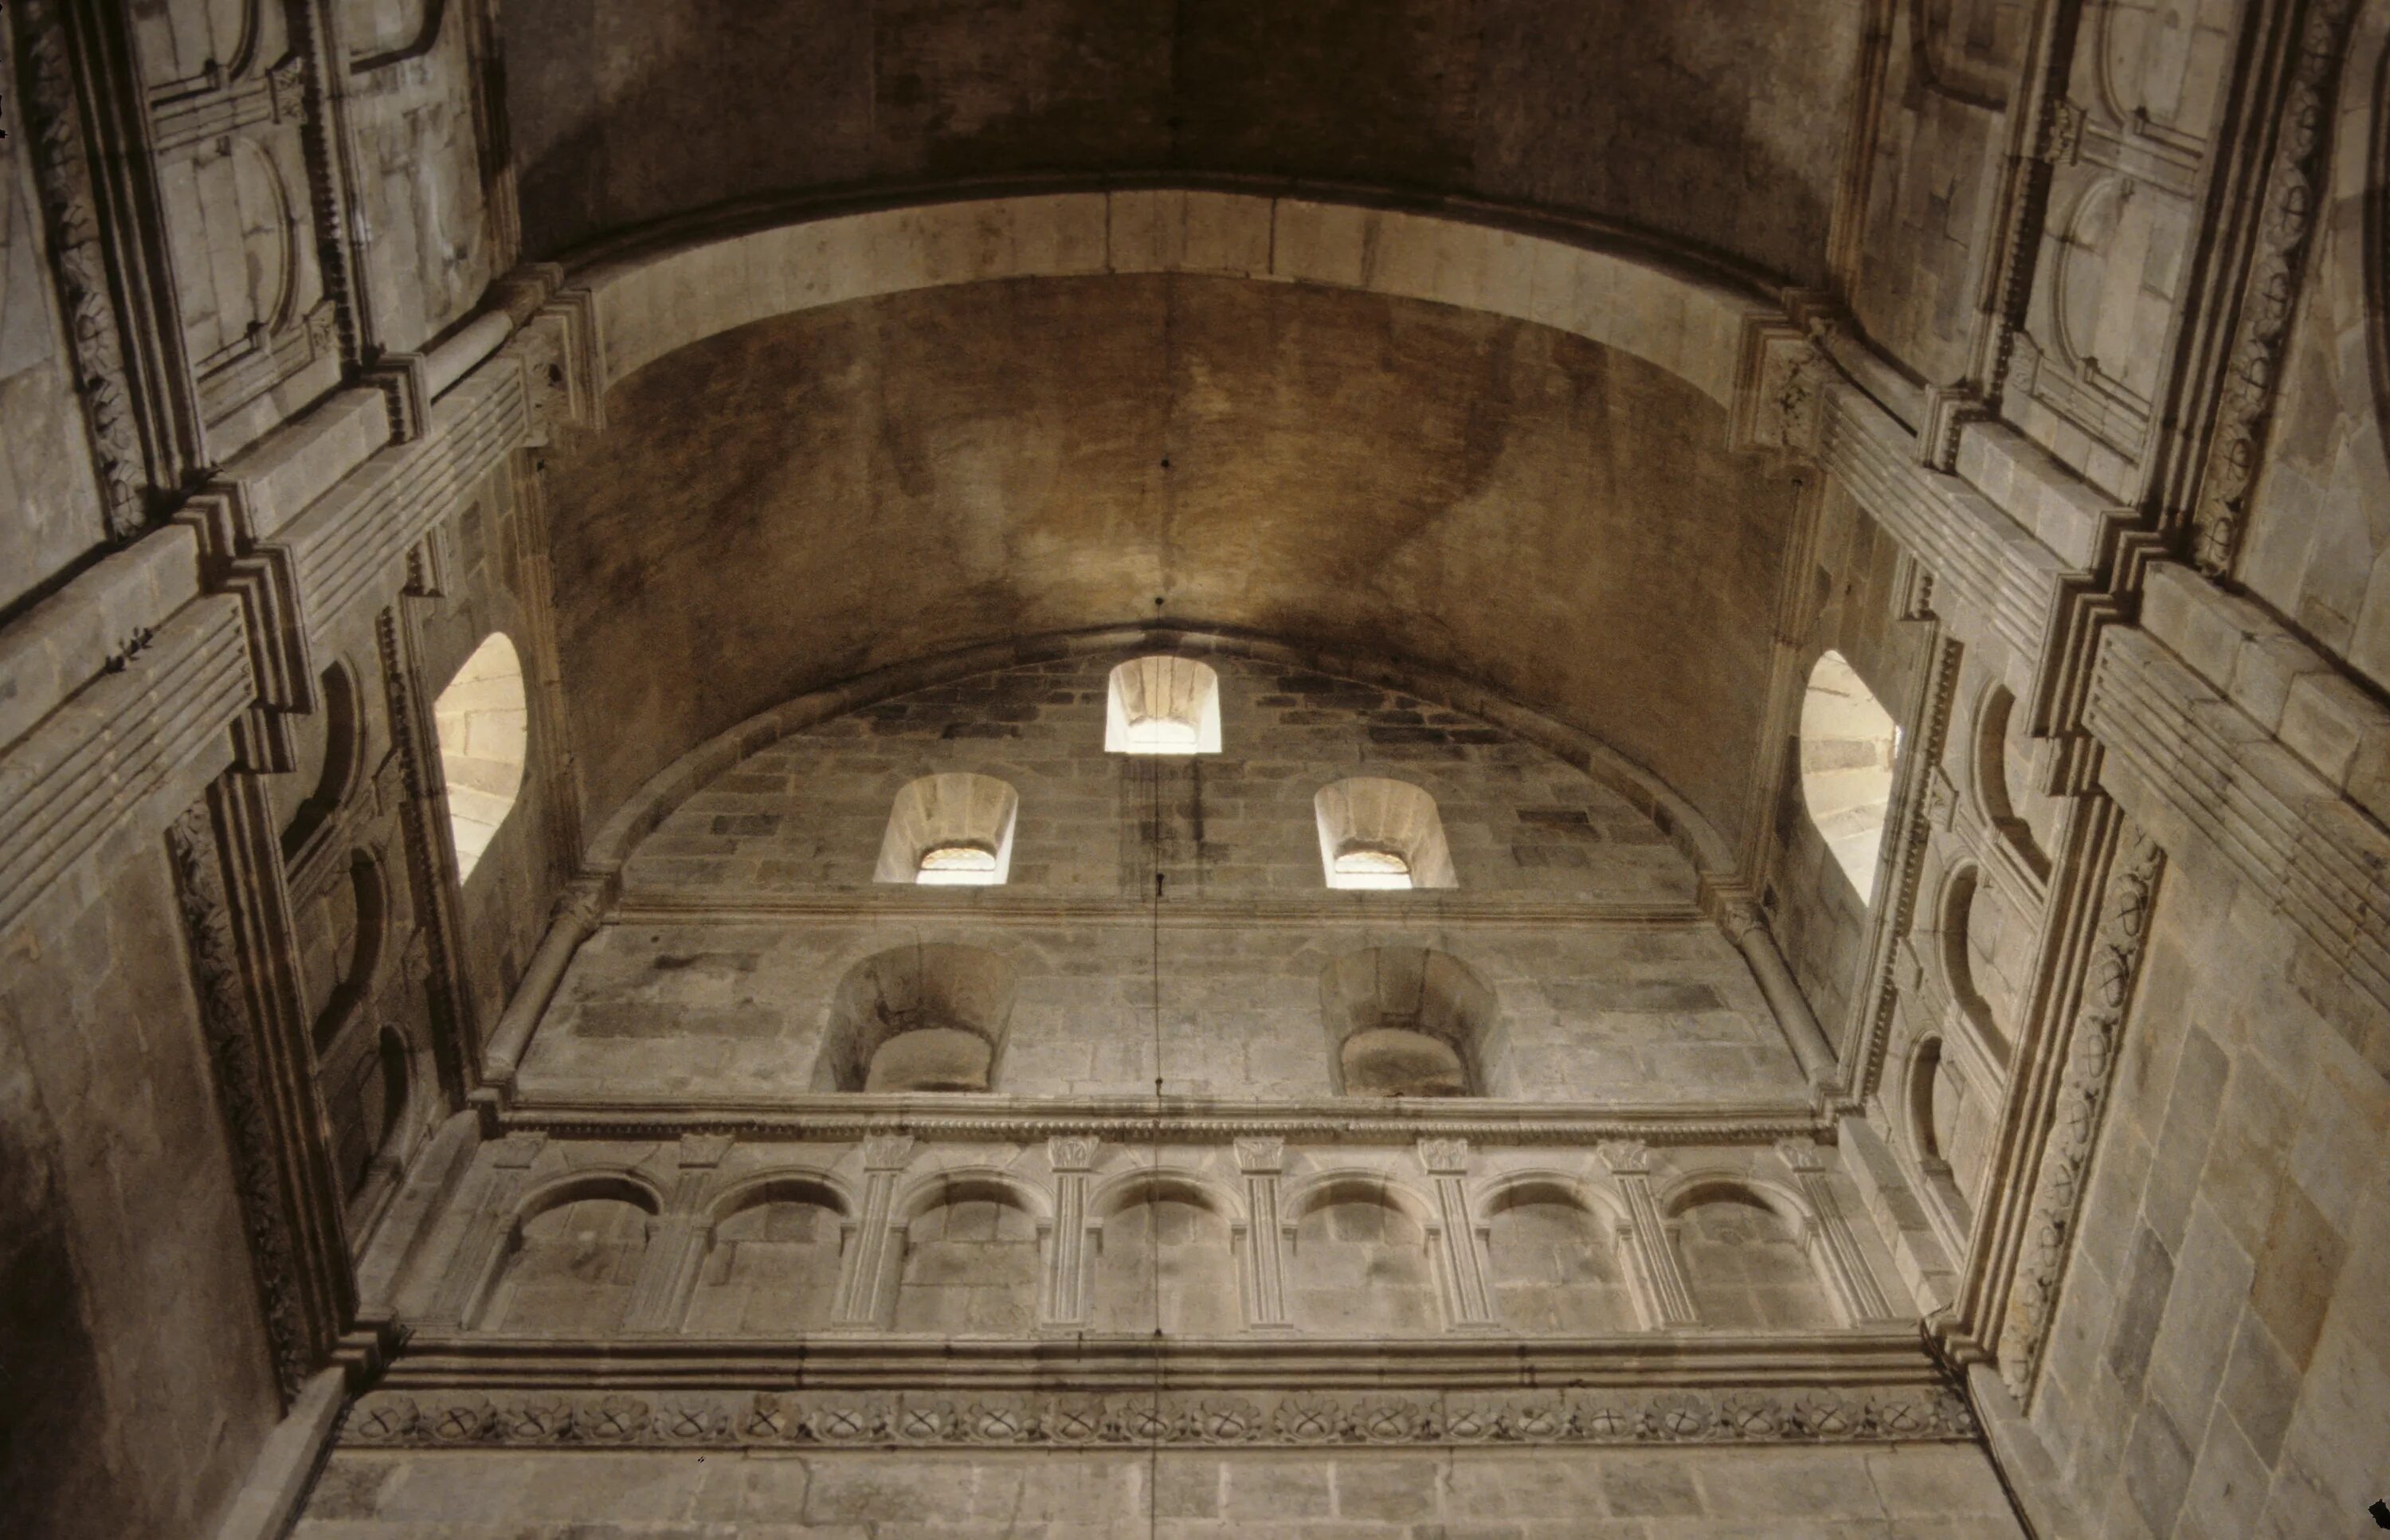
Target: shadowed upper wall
x,y
803,499
1719,123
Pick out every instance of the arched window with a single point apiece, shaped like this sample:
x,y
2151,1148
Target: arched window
x,y
1379,833
1847,744
950,830
1162,705
483,726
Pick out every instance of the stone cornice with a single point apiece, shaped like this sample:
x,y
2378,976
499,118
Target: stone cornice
x,y
984,906
1682,1359
848,1116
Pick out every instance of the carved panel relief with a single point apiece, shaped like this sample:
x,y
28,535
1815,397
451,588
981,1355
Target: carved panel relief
x,y
2127,145
234,123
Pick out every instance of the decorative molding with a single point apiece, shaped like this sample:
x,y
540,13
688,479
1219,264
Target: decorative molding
x,y
93,765
1258,1130
228,894
78,261
2091,1060
2190,765
431,853
823,1421
2296,195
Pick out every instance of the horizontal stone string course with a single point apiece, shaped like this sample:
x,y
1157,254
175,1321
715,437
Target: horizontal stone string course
x,y
2186,761
773,1419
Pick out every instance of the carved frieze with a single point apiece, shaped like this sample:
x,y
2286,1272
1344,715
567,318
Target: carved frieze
x,y
2090,1062
825,1421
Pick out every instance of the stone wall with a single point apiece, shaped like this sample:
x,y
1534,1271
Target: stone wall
x,y
1902,1492
696,991
2219,1363
133,1331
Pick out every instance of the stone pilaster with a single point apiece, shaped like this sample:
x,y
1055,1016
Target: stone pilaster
x,y
1073,1159
1469,1301
678,1247
1263,1161
473,1266
863,1284
1831,1244
1667,1298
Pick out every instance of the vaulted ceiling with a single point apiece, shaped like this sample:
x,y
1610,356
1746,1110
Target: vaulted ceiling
x,y
1719,124
815,493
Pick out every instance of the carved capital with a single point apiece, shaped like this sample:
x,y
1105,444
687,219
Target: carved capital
x,y
702,1151
1802,1156
1624,1156
1261,1155
517,1150
887,1151
1445,1157
1073,1152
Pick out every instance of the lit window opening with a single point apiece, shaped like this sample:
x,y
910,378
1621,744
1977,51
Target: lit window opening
x,y
1162,705
1365,866
958,865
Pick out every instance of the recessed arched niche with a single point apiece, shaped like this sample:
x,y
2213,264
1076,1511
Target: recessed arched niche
x,y
1408,1022
1165,1259
1848,742
2001,750
771,1261
354,929
1746,1260
1162,704
575,1261
1375,833
1980,934
972,1262
483,724
951,830
336,748
1947,1128
1361,1262
1552,1264
931,1017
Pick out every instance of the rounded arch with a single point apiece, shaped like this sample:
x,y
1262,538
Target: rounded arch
x,y
780,1185
340,714
1356,1183
1544,1184
967,1184
368,900
658,297
1686,828
1127,1189
618,1183
1965,892
1848,742
1711,1183
1994,740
